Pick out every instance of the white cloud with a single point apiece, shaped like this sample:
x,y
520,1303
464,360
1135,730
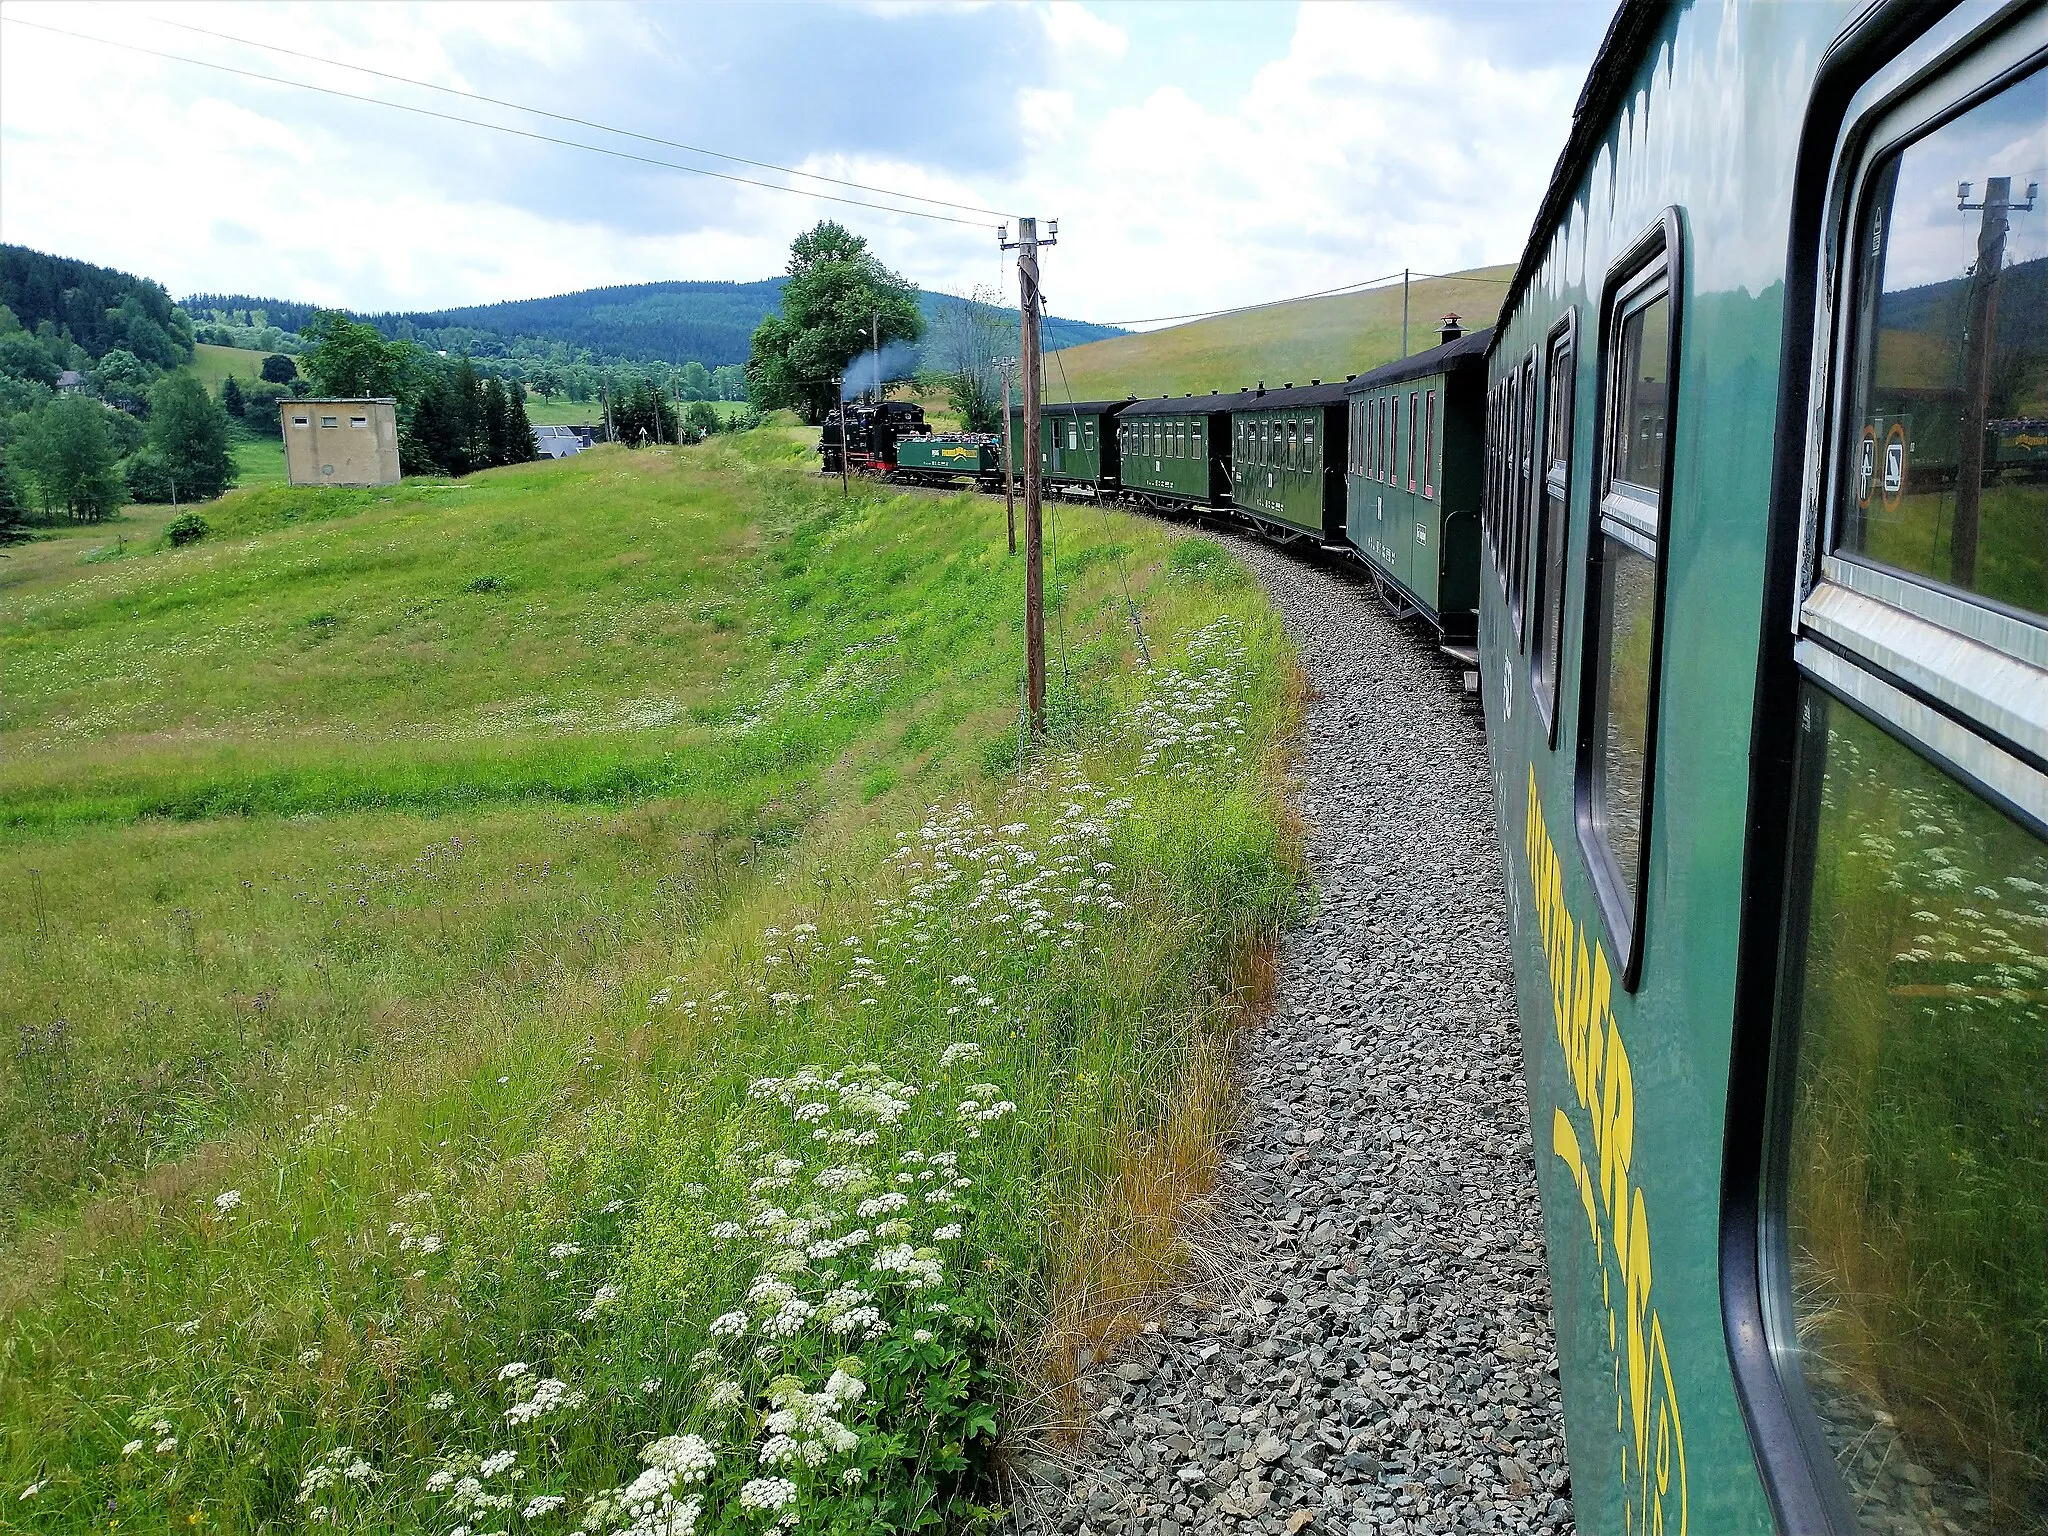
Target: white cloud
x,y
1079,33
1377,142
1374,137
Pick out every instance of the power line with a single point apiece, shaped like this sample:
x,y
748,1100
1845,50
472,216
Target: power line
x,y
581,122
519,133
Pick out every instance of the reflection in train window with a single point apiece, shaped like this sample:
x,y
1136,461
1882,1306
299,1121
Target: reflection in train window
x,y
1554,509
1911,1282
1617,723
1640,383
1947,467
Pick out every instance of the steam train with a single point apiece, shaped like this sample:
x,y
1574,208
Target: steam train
x,y
890,439
1743,508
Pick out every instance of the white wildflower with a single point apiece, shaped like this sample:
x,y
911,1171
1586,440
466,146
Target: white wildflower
x,y
767,1494
227,1200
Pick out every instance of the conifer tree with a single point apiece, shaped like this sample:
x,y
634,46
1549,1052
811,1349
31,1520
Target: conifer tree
x,y
520,447
466,395
496,441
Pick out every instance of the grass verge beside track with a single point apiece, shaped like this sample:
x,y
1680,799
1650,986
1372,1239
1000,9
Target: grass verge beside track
x,y
554,1002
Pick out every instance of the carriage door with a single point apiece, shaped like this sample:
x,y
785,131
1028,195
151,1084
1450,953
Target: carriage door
x,y
1904,1244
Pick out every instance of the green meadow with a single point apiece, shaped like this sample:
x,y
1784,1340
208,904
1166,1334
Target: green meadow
x,y
563,998
1289,343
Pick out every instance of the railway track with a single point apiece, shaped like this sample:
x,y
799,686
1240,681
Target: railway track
x,y
1372,1352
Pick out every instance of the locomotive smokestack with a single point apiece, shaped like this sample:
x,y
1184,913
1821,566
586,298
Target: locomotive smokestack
x,y
1448,330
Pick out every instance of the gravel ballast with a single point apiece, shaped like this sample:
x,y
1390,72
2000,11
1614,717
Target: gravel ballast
x,y
1373,1353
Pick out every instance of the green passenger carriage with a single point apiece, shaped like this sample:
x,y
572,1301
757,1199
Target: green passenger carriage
x,y
1287,460
1412,478
1175,453
1077,446
1765,671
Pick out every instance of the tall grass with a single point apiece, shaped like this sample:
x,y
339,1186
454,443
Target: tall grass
x,y
410,1142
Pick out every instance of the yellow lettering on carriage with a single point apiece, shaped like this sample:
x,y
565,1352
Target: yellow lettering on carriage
x,y
1596,1060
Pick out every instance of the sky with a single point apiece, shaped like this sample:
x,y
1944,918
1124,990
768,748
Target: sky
x,y
1196,156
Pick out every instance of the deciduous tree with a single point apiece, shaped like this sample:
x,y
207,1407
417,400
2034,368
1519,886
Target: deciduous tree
x,y
188,435
349,360
67,454
837,300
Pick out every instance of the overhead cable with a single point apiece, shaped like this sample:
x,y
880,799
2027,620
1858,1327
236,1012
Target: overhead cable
x,y
1321,293
519,133
581,122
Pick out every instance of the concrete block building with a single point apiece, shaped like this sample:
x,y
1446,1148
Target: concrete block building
x,y
340,442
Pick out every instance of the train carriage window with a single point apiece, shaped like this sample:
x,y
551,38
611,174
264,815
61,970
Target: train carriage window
x,y
1909,1277
1308,442
1088,436
1525,449
1510,431
1073,435
1394,437
1552,523
1195,440
1413,415
1387,411
1429,445
1947,473
1617,725
1293,444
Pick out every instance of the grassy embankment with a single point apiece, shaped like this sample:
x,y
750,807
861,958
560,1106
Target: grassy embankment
x,y
259,456
1283,343
409,892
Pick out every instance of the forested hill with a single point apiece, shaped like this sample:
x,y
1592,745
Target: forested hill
x,y
710,322
97,308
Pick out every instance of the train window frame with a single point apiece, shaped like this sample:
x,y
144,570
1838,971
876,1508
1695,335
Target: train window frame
x,y
1429,445
1511,431
1522,479
1652,267
1308,442
1552,536
1899,621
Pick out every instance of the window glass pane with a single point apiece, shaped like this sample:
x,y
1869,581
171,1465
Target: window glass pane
x,y
1394,435
1621,705
1949,475
1429,448
1308,443
1555,492
1640,387
1916,1174
1413,412
1293,443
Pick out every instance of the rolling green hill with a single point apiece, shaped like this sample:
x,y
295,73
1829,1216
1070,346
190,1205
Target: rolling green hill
x,y
1278,343
674,322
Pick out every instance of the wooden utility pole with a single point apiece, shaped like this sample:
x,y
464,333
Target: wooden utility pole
x,y
1404,311
1003,366
1026,247
1980,324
